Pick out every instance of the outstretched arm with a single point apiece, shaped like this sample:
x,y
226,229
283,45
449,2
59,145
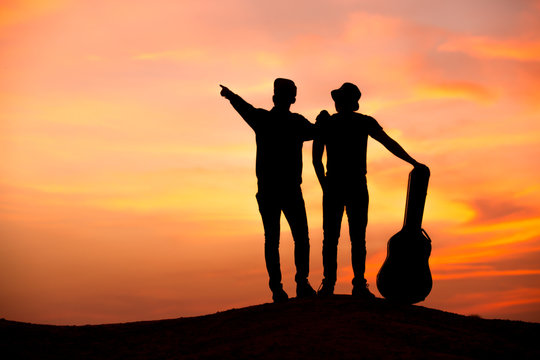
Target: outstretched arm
x,y
245,109
394,147
318,151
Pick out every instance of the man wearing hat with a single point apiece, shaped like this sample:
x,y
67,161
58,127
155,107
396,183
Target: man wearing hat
x,y
345,135
280,134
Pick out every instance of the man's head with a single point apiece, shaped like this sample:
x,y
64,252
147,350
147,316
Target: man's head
x,y
346,97
284,92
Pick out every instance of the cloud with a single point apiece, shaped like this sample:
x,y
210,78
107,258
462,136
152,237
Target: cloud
x,y
485,273
20,11
492,302
522,224
496,209
454,143
456,90
492,48
186,54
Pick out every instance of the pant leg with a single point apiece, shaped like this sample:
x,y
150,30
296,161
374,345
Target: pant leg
x,y
271,214
294,210
332,215
357,213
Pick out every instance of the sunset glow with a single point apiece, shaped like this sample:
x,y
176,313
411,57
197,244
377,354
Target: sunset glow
x,y
127,183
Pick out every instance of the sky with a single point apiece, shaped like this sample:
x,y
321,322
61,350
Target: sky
x,y
127,183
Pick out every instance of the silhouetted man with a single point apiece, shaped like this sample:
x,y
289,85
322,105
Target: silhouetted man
x,y
280,135
344,185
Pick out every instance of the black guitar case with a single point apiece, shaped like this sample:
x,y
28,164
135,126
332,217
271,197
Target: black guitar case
x,y
405,276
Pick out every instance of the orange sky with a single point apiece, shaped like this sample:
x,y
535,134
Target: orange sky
x,y
127,183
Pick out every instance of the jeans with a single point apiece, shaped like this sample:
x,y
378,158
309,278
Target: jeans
x,y
271,203
337,198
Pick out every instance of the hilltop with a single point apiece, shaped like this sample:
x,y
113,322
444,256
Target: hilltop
x,y
340,327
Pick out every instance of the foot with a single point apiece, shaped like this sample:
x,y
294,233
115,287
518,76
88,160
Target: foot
x,y
326,289
304,290
363,292
280,296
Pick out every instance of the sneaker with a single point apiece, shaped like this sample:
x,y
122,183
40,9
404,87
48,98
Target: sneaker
x,y
280,296
304,290
326,289
363,292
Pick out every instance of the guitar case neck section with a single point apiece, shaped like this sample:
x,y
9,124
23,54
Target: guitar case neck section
x,y
416,198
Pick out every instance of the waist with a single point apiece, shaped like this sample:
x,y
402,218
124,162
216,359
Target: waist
x,y
346,177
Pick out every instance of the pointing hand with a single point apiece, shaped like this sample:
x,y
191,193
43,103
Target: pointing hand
x,y
225,92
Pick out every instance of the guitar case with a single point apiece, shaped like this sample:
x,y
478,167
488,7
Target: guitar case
x,y
405,276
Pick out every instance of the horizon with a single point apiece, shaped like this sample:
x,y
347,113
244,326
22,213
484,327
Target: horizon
x,y
128,183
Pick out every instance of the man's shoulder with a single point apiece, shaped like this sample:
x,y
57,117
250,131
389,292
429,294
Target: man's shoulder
x,y
257,119
299,120
353,121
260,113
354,116
368,120
365,117
324,120
297,116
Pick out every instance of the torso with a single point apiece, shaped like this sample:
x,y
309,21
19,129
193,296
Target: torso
x,y
280,138
345,137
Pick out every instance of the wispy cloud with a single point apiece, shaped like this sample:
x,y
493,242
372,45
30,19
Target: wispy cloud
x,y
190,54
488,273
458,90
492,48
19,11
510,300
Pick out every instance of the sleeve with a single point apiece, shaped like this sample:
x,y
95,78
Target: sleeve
x,y
373,126
246,111
308,130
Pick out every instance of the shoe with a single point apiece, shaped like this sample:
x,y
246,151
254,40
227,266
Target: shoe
x,y
326,289
363,292
304,290
280,296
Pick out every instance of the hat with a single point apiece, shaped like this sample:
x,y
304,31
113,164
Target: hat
x,y
284,87
348,93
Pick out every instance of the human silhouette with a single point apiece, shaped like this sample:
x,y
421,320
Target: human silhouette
x,y
279,135
344,135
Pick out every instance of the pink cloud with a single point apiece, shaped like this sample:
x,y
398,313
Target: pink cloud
x,y
489,48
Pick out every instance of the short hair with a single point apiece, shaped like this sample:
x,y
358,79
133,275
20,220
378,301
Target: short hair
x,y
284,87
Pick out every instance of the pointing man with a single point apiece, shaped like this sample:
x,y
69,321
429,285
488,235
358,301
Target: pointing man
x,y
280,135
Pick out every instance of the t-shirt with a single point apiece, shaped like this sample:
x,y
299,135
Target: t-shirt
x,y
280,137
345,137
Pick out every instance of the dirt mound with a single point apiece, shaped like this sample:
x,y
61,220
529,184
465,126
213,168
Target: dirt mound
x,y
339,327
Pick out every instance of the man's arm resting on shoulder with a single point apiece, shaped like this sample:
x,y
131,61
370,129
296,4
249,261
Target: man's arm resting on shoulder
x,y
245,109
313,130
309,130
394,147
